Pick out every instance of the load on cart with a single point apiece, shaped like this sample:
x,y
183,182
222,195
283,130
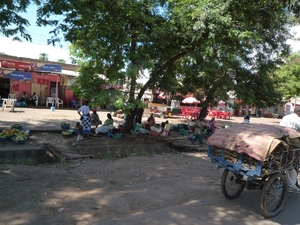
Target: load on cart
x,y
256,156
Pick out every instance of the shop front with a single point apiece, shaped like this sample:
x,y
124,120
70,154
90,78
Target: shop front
x,y
45,80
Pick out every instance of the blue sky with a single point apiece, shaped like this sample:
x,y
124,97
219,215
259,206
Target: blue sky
x,y
39,42
38,45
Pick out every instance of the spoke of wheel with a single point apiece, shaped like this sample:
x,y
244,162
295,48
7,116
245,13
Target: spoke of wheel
x,y
274,196
231,185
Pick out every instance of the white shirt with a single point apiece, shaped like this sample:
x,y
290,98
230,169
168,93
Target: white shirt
x,y
192,124
84,109
291,121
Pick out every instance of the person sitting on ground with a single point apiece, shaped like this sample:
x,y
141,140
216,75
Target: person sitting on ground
x,y
211,126
246,119
192,126
139,115
107,126
95,120
33,99
23,97
150,121
156,130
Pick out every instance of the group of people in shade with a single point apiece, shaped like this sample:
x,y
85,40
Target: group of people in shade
x,y
29,101
89,119
163,129
197,127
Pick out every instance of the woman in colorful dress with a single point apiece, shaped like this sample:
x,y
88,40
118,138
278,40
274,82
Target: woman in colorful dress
x,y
107,126
84,113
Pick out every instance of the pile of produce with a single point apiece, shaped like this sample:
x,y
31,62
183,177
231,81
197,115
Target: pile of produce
x,y
17,126
15,133
6,134
65,126
19,139
67,133
10,133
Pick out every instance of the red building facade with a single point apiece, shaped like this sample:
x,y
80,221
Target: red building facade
x,y
46,80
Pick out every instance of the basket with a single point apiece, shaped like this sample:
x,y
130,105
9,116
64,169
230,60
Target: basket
x,y
3,139
19,141
116,136
183,132
65,127
154,133
17,126
67,135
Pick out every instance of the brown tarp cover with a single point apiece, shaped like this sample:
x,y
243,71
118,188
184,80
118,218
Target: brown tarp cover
x,y
255,140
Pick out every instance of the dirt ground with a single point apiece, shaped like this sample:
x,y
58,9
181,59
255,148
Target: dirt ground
x,y
90,191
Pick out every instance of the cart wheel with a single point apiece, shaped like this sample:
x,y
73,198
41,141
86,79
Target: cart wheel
x,y
231,184
273,194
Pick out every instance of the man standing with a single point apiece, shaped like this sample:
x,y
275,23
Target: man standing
x,y
292,121
249,110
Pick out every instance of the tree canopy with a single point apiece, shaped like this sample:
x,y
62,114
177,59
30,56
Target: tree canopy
x,y
61,60
43,56
12,24
207,46
288,76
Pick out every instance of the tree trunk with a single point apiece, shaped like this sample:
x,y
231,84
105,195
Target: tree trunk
x,y
203,112
134,117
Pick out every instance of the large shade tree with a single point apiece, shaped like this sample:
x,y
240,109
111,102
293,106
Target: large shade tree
x,y
209,46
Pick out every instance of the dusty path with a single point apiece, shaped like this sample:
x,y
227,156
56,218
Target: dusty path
x,y
92,191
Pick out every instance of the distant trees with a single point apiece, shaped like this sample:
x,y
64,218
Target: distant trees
x,y
61,61
288,76
43,56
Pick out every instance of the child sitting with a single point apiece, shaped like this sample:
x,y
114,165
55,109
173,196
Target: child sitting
x,y
246,119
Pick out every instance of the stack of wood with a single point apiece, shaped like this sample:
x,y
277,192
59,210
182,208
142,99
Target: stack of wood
x,y
281,158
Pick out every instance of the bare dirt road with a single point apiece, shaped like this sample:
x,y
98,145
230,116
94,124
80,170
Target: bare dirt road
x,y
91,191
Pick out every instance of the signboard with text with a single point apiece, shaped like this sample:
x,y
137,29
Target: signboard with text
x,y
34,67
16,75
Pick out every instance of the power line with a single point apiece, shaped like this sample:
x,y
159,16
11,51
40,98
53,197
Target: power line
x,y
41,41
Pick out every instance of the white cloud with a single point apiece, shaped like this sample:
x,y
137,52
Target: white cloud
x,y
295,44
30,50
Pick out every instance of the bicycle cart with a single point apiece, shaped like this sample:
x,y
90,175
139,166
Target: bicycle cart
x,y
255,156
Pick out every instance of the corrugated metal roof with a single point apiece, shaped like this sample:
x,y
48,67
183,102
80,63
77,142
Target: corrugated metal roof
x,y
69,73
